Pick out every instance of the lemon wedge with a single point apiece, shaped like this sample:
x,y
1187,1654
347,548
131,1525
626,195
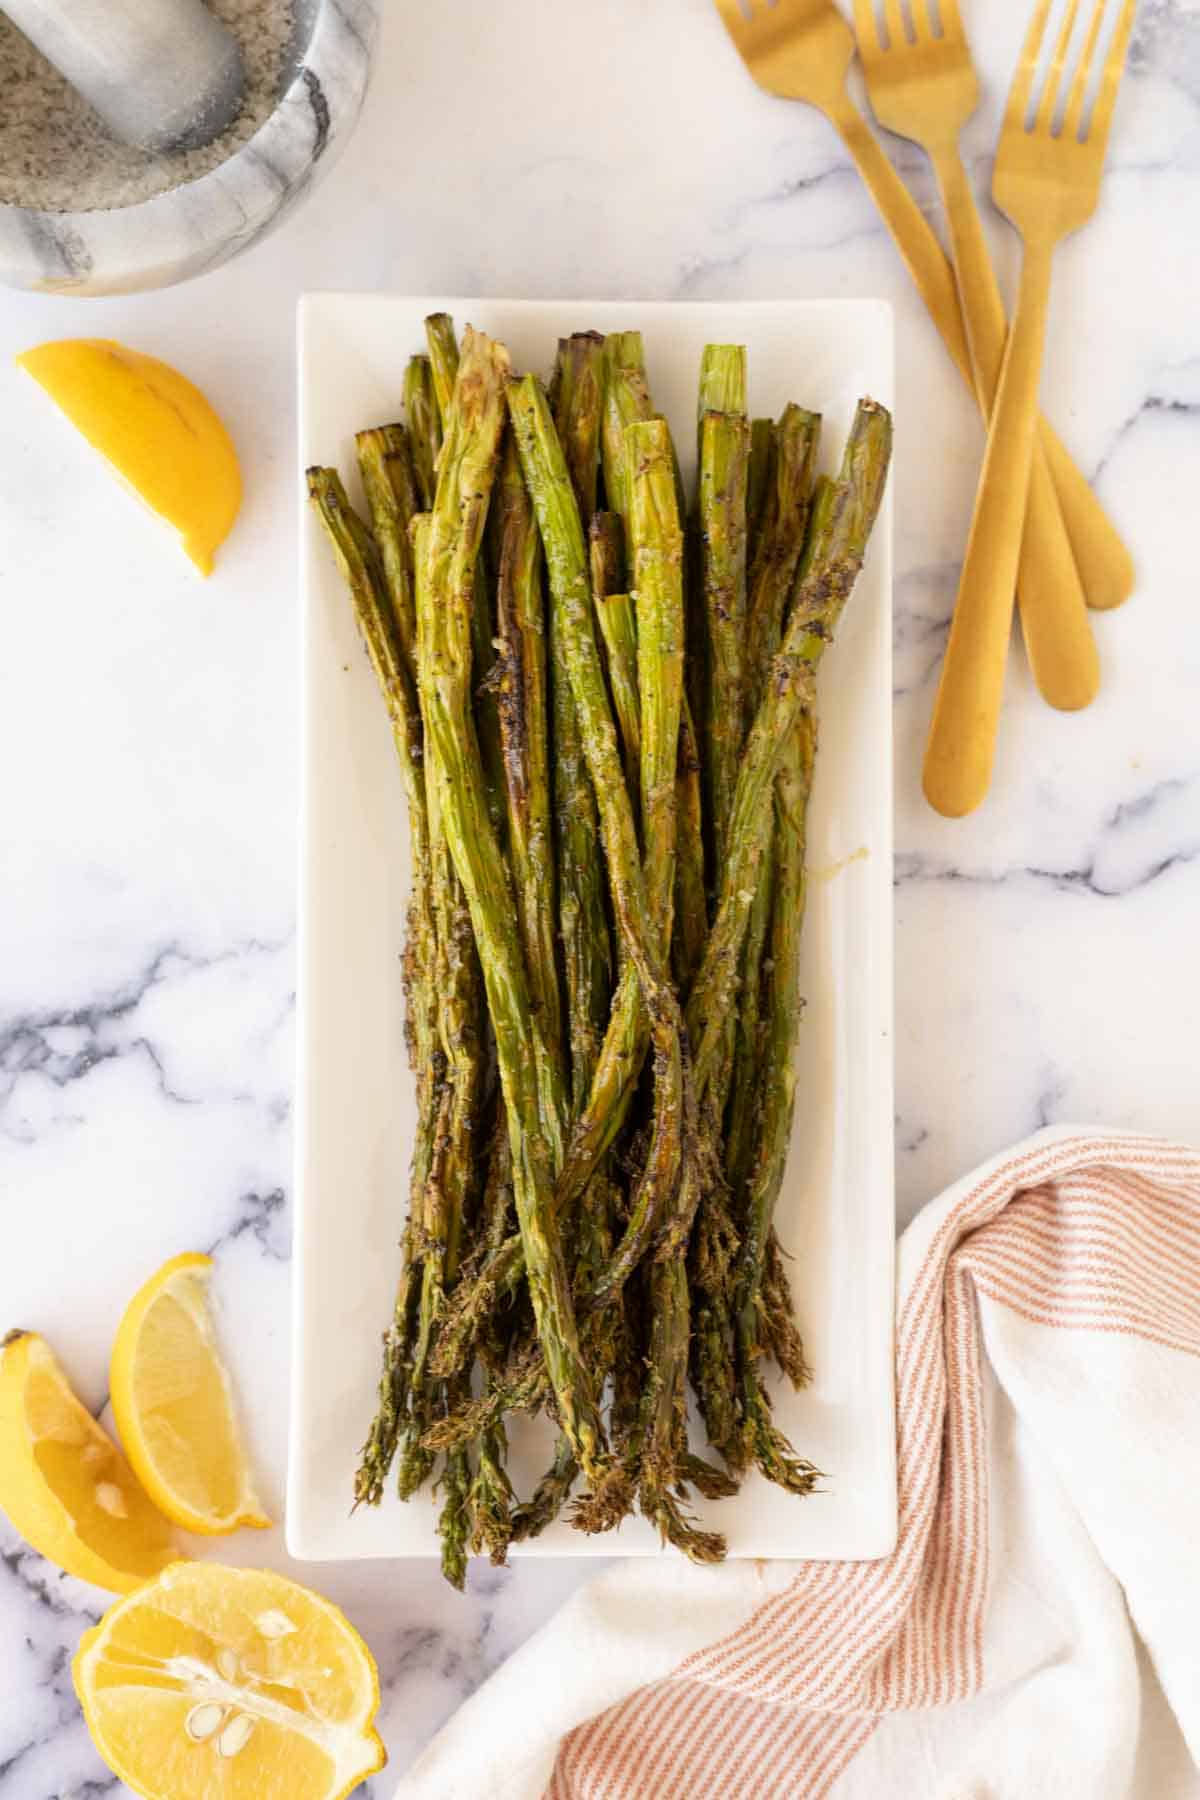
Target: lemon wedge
x,y
64,1484
156,429
233,1682
173,1403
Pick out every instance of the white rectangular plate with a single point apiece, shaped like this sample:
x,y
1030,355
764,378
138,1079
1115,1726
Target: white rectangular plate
x,y
355,1094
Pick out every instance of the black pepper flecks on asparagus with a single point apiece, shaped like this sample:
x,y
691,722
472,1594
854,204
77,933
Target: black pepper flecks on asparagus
x,y
465,480
612,1189
796,441
521,689
424,426
363,570
789,691
587,950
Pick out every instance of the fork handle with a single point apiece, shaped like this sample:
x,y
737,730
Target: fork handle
x,y
914,238
1058,638
1104,564
962,739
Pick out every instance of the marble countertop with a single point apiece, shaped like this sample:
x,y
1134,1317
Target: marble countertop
x,y
1046,955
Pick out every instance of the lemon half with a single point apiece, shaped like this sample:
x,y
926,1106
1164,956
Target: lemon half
x,y
232,1682
157,430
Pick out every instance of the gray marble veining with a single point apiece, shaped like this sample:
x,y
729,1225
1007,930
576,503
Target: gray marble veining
x,y
1046,965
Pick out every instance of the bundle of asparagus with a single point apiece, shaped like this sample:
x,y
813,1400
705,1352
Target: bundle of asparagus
x,y
603,706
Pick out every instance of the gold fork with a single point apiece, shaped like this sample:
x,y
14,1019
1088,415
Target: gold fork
x,y
1047,180
924,87
801,50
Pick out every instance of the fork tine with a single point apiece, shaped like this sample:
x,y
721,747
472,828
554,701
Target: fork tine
x,y
922,21
952,25
1022,87
866,27
1110,82
1083,75
895,23
1058,62
732,16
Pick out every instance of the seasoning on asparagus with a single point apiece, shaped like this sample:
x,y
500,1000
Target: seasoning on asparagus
x,y
385,462
606,731
762,433
724,463
815,613
362,568
465,480
646,979
424,426
587,950
521,693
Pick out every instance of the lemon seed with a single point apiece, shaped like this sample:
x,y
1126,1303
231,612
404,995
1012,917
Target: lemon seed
x,y
111,1500
274,1624
203,1720
236,1735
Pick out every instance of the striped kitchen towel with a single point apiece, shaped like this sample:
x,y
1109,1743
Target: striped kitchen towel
x,y
1036,1631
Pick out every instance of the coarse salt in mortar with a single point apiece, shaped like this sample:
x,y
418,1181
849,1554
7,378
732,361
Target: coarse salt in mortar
x,y
57,155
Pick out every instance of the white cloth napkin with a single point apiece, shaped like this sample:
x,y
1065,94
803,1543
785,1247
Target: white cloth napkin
x,y
1035,1633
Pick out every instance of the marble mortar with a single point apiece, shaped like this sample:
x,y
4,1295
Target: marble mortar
x,y
201,224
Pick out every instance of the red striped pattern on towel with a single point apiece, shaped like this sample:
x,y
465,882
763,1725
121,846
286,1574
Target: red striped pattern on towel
x,y
1083,1233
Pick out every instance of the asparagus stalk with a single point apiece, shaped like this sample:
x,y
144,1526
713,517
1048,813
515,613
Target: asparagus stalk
x,y
641,902
443,362
618,632
465,481
761,1440
713,1260
454,1520
739,1080
735,1408
639,921
443,350
424,426
524,736
782,1335
762,449
722,381
691,899
760,1269
482,1290
656,544
638,902
606,556
451,1188
553,1491
775,568
626,401
816,610
796,440
363,571
491,1502
587,949
724,462
663,1422
577,413
385,462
